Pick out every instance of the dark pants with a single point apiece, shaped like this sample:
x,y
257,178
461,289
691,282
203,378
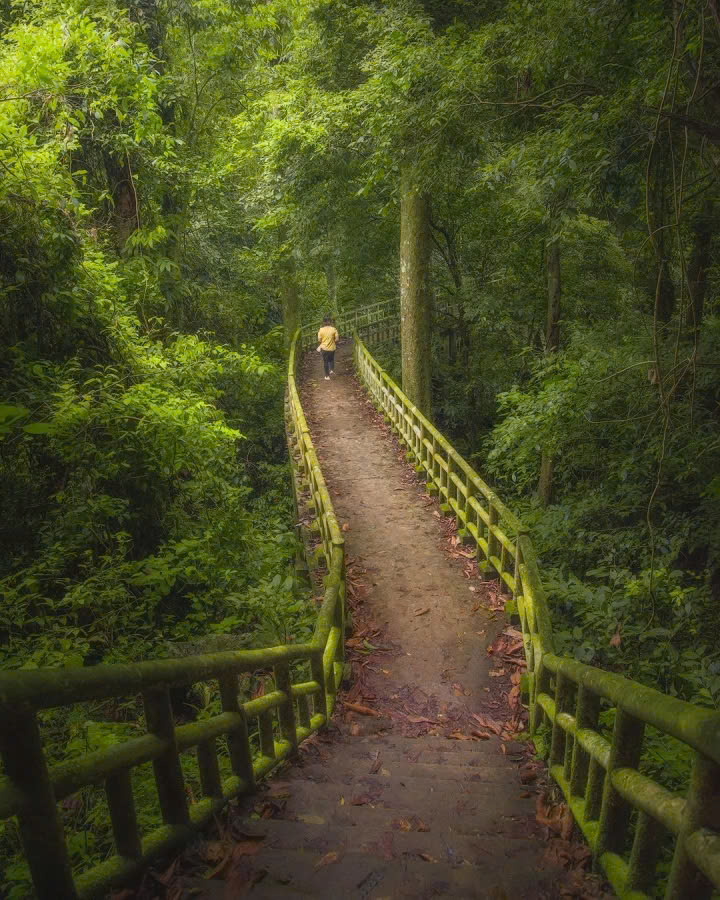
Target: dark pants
x,y
328,361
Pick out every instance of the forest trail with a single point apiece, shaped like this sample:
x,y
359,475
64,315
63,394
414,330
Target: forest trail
x,y
389,805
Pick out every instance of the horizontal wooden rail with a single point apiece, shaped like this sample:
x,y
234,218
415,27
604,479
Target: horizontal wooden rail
x,y
306,678
352,320
622,813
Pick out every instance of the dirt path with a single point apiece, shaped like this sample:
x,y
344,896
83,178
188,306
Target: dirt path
x,y
422,599
417,789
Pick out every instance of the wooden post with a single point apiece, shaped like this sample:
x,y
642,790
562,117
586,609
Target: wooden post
x,y
647,844
168,771
286,711
41,832
121,803
702,810
625,753
209,769
493,542
563,699
586,716
238,740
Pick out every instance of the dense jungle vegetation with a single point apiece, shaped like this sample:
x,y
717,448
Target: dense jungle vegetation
x,y
182,182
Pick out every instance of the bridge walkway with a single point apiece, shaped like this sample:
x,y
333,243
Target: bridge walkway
x,y
391,804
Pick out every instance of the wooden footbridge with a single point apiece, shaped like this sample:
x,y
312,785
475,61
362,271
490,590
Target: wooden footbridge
x,y
434,818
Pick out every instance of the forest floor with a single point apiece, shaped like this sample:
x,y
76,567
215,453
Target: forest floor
x,y
422,785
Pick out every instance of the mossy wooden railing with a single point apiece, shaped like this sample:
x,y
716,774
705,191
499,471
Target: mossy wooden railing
x,y
375,322
623,814
306,677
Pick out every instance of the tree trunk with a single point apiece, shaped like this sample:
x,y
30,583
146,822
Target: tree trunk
x,y
415,299
125,216
290,304
552,342
702,228
552,329
662,287
331,276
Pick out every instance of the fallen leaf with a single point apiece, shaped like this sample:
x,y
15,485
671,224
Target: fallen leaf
x,y
328,859
427,857
555,816
311,820
487,722
497,673
363,710
459,736
247,847
214,851
421,612
483,735
345,526
363,799
414,823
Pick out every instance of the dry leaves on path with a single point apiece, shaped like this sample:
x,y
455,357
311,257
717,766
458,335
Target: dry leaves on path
x,y
555,816
412,823
327,860
488,723
362,710
225,854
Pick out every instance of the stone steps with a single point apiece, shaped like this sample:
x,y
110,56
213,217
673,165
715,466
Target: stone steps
x,y
434,820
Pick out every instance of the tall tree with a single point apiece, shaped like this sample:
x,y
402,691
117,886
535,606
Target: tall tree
x,y
552,342
415,293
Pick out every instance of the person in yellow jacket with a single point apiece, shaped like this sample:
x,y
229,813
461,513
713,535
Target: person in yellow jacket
x,y
328,338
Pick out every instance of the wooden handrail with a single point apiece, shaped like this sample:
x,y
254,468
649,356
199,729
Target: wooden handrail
x,y
600,778
31,789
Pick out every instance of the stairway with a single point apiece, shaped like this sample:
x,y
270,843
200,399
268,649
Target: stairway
x,y
387,816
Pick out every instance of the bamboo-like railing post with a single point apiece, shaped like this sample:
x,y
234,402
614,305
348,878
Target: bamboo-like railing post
x,y
238,740
168,771
702,810
466,534
615,812
493,542
586,716
209,769
563,700
121,803
318,673
542,686
265,730
646,847
303,707
41,832
594,790
286,710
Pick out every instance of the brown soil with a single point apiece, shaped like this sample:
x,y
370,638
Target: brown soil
x,y
423,593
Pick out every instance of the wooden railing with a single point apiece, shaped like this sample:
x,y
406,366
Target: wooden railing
x,y
305,679
361,320
623,814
